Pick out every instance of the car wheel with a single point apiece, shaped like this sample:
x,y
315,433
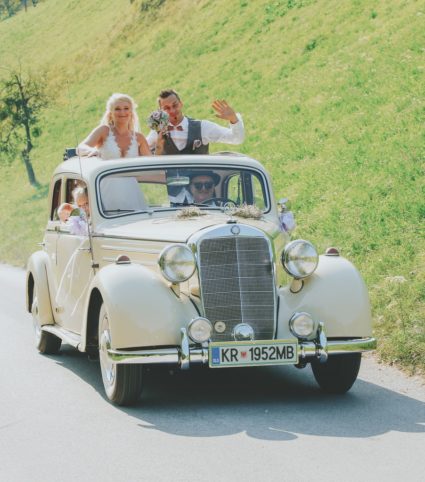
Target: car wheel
x,y
45,342
123,383
339,373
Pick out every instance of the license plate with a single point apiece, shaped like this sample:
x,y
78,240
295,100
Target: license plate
x,y
242,354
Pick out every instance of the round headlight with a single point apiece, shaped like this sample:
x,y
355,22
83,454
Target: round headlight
x,y
200,330
177,263
300,258
302,325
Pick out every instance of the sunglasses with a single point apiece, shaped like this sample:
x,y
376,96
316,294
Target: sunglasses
x,y
207,185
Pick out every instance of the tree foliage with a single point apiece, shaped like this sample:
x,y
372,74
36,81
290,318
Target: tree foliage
x,y
22,97
10,7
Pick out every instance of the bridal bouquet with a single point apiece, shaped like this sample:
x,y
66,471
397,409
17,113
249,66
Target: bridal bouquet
x,y
158,120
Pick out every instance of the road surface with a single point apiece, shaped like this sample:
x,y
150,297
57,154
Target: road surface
x,y
263,424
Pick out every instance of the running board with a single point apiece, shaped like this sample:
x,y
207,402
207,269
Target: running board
x,y
65,335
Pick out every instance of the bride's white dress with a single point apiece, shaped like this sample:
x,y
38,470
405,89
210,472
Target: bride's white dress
x,y
111,150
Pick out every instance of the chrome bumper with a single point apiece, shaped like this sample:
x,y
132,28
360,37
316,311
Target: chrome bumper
x,y
185,355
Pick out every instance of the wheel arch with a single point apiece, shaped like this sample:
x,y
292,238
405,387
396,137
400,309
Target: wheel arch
x,y
90,339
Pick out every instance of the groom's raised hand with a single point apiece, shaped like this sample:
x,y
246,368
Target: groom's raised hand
x,y
224,111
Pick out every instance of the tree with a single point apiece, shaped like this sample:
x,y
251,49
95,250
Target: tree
x,y
22,97
9,7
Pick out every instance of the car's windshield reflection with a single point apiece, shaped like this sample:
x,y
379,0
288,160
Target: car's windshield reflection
x,y
208,187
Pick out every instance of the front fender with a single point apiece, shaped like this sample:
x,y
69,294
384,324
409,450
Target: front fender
x,y
37,277
336,295
142,309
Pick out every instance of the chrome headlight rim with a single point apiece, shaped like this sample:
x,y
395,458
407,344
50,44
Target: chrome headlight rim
x,y
285,258
312,334
165,266
200,320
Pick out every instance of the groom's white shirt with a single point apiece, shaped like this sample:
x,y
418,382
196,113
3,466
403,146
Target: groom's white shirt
x,y
210,131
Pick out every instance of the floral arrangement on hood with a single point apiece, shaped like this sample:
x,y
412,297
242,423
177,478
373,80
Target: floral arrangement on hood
x,y
158,120
190,212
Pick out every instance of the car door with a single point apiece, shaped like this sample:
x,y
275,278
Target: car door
x,y
74,271
51,238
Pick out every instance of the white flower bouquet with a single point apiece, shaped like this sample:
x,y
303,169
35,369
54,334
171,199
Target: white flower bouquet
x,y
158,120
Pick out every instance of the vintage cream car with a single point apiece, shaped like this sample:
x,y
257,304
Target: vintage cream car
x,y
166,277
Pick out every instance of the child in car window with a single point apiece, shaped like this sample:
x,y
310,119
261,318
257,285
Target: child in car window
x,y
64,211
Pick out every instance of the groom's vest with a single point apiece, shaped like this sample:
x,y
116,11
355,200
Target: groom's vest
x,y
194,141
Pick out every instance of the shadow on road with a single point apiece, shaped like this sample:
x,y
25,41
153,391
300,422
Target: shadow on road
x,y
270,403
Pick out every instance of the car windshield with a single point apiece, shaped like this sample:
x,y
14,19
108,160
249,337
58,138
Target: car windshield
x,y
132,191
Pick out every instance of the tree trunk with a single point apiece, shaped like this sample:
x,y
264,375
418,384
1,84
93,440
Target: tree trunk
x,y
30,171
26,121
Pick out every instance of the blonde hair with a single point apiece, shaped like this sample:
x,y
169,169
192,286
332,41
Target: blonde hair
x,y
78,192
107,118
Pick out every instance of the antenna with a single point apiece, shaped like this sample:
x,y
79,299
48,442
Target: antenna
x,y
93,263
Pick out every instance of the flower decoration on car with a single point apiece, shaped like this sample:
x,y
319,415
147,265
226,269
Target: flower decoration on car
x,y
158,120
190,212
248,211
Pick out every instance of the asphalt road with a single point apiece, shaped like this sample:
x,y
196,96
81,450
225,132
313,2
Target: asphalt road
x,y
263,424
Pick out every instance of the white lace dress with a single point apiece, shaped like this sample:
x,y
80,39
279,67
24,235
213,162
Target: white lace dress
x,y
111,150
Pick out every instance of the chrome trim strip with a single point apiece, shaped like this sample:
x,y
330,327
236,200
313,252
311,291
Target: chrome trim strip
x,y
134,261
130,250
200,355
163,355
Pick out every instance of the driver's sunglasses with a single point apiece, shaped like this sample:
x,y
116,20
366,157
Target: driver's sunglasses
x,y
207,185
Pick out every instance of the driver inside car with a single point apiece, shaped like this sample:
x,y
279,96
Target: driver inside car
x,y
200,189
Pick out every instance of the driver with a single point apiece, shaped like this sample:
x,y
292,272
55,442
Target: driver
x,y
200,189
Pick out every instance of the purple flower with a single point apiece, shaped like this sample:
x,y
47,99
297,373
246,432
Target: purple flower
x,y
158,120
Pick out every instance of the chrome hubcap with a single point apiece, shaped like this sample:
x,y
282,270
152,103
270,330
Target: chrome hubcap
x,y
108,367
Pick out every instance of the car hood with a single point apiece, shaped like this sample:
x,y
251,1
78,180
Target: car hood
x,y
173,229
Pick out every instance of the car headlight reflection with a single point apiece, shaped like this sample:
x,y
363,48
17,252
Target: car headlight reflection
x,y
300,258
177,263
200,330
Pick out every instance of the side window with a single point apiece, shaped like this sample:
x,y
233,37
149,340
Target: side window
x,y
71,184
258,193
234,189
56,197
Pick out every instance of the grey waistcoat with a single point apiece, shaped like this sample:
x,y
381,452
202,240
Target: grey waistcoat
x,y
194,141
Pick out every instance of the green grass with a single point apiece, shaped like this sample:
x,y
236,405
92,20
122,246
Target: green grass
x,y
332,97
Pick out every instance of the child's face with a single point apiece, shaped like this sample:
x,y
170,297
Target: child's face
x,y
64,214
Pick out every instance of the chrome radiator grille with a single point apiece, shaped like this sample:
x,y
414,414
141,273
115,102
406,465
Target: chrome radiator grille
x,y
237,284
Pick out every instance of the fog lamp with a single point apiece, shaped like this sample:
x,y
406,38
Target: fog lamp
x,y
200,330
303,326
177,263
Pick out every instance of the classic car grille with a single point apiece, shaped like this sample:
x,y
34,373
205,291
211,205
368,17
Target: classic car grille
x,y
237,284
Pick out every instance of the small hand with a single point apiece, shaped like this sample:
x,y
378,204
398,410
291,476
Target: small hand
x,y
224,111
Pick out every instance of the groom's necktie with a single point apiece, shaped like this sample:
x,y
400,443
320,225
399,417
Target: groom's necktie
x,y
176,128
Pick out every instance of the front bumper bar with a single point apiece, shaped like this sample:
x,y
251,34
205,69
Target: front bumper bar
x,y
186,355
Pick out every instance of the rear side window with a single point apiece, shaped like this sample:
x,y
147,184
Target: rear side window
x,y
56,197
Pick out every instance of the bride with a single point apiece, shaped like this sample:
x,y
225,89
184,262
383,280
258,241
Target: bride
x,y
118,133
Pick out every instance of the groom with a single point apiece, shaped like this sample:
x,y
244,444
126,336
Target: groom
x,y
190,136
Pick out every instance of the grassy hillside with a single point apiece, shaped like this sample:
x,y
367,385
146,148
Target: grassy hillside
x,y
332,94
